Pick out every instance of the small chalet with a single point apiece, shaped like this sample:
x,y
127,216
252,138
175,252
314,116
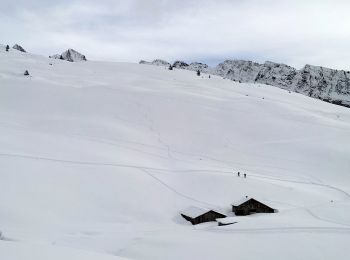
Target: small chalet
x,y
197,215
249,206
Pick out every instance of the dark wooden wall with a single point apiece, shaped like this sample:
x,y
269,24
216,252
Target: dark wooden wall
x,y
251,206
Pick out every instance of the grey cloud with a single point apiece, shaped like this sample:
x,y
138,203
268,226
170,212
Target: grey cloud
x,y
294,32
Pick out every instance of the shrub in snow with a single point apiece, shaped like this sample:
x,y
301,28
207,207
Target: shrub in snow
x,y
198,73
170,67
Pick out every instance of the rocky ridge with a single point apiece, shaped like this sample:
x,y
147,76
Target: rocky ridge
x,y
314,81
69,55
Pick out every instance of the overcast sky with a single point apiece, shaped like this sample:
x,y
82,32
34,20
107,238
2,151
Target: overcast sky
x,y
294,32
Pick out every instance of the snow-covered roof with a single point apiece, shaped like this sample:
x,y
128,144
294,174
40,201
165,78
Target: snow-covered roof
x,y
245,199
194,211
241,201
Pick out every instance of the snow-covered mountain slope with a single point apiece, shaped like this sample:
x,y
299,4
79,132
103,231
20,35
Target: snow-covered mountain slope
x,y
98,159
314,81
70,55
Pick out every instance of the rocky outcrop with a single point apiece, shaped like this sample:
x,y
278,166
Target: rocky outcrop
x,y
198,66
18,47
238,70
159,62
195,66
276,74
318,82
56,56
69,55
180,65
144,62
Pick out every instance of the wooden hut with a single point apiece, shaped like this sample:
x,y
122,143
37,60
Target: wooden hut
x,y
197,215
249,206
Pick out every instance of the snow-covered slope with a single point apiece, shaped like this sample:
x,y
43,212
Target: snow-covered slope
x,y
317,82
98,159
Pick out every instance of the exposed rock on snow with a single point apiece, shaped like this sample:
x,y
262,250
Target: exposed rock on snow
x,y
180,65
198,66
159,62
18,47
238,70
327,84
70,55
144,62
156,62
56,56
276,74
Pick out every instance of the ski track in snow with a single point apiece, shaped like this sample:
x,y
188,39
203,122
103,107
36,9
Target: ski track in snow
x,y
164,170
184,138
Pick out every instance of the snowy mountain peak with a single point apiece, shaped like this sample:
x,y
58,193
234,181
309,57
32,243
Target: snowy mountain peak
x,y
70,55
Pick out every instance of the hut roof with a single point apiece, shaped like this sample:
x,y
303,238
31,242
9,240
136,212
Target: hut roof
x,y
241,201
194,212
245,199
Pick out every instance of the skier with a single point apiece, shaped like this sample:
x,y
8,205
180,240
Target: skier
x,y
245,175
238,174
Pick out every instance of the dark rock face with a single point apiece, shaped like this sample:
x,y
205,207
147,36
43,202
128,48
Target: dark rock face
x,y
159,62
144,62
180,65
198,66
18,47
327,84
238,70
69,55
72,56
276,74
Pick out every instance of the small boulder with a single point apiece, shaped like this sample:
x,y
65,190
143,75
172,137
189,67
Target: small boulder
x,y
26,73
